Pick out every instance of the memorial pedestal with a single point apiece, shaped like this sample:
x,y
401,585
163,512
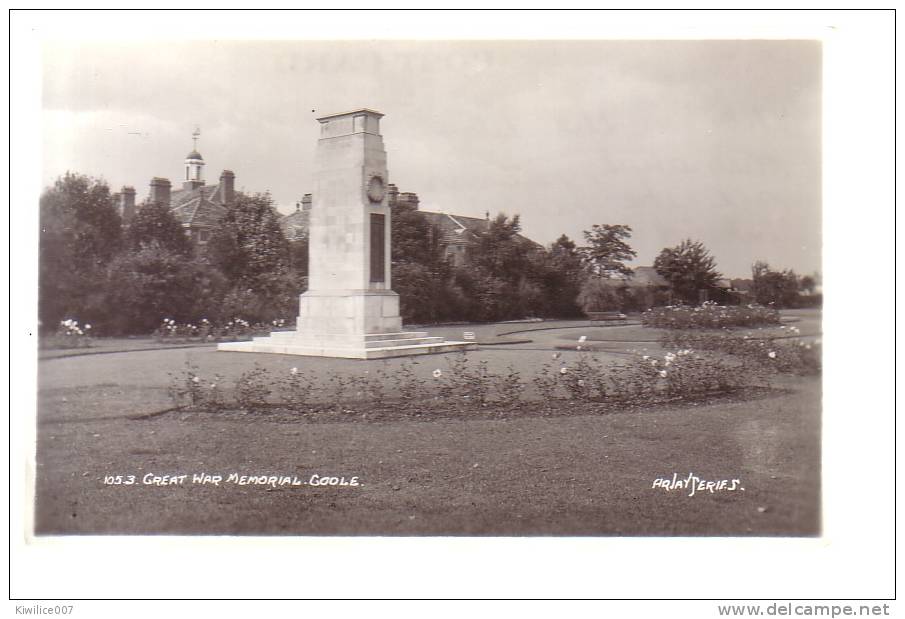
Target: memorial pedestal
x,y
350,310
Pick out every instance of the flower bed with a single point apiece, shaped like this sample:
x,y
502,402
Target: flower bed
x,y
464,385
69,334
236,329
709,316
789,356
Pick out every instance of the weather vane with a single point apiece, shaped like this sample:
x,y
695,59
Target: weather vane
x,y
195,135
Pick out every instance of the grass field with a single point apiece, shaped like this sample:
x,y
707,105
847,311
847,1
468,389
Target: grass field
x,y
571,474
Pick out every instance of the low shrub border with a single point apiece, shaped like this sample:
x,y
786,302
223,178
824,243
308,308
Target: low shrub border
x,y
69,334
709,316
465,385
172,332
788,356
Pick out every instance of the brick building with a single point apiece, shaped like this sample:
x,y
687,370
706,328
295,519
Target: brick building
x,y
196,205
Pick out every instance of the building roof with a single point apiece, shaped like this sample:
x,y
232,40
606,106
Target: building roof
x,y
194,155
295,224
198,207
646,276
461,230
640,277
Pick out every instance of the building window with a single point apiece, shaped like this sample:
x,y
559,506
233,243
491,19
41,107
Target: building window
x,y
204,236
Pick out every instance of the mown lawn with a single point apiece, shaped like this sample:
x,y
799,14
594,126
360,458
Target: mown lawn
x,y
569,474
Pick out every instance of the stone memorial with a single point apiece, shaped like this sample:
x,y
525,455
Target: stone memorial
x,y
349,309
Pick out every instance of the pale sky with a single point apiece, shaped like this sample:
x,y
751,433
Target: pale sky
x,y
718,141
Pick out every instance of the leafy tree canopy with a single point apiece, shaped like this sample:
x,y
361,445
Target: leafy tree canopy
x,y
80,232
415,241
152,282
689,268
249,245
777,288
79,222
607,250
499,249
154,223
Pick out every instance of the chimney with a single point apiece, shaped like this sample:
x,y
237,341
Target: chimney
x,y
408,199
127,203
306,202
160,191
392,193
227,187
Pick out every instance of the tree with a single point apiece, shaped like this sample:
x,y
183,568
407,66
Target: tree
x,y
80,232
607,250
414,240
507,274
154,223
808,284
489,298
250,249
152,282
562,276
500,250
776,288
689,268
249,244
421,275
566,257
601,294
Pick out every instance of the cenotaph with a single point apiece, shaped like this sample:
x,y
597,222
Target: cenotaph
x,y
349,309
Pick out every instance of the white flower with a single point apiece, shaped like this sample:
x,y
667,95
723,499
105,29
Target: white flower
x,y
771,354
196,379
583,338
653,362
556,355
646,357
580,383
294,371
578,348
562,370
437,373
662,373
87,326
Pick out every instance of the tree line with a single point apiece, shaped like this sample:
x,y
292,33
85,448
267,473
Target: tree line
x,y
125,278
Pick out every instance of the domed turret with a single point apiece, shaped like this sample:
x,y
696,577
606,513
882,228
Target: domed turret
x,y
194,165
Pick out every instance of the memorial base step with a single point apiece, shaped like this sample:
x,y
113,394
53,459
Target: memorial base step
x,y
370,346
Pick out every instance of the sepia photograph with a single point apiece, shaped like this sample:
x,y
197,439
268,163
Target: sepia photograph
x,y
549,288
341,289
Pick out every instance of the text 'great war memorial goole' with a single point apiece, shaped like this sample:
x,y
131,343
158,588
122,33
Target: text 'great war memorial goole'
x,y
350,309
